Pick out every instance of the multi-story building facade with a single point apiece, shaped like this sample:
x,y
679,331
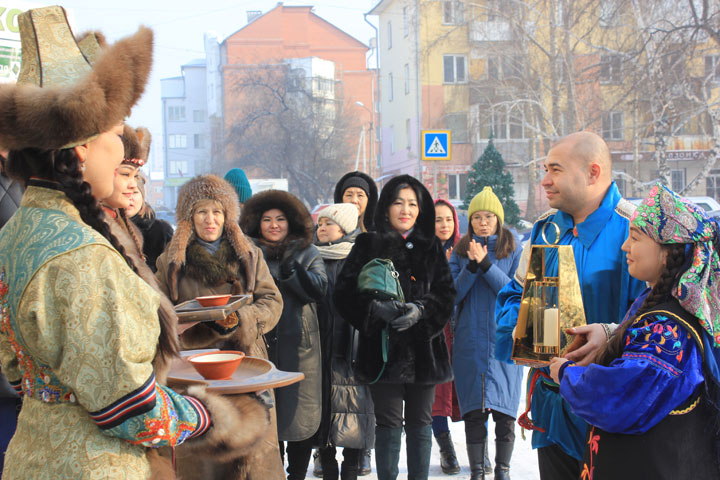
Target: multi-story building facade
x,y
529,72
186,139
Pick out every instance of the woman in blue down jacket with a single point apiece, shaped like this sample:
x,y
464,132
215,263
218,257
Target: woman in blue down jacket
x,y
485,259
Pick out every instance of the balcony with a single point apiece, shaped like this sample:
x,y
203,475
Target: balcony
x,y
496,31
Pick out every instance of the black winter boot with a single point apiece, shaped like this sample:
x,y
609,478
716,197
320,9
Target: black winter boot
x,y
476,458
348,472
488,463
503,454
317,464
448,459
364,465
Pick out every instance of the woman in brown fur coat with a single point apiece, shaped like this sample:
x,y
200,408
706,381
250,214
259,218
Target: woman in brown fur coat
x,y
210,255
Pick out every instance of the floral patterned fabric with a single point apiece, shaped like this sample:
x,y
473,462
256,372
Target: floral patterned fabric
x,y
78,334
667,218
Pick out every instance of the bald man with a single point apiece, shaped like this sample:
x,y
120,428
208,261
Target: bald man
x,y
594,219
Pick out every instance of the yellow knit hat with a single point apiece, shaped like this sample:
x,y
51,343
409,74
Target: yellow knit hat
x,y
487,201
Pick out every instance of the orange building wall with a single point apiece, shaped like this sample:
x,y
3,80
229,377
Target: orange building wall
x,y
296,32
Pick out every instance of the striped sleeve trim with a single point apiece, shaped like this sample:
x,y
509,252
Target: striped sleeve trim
x,y
203,417
137,402
17,387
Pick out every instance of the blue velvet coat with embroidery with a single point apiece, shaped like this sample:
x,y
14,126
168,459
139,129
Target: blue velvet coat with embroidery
x,y
660,368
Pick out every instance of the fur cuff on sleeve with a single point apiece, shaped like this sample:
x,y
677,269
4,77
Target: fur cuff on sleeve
x,y
247,333
239,423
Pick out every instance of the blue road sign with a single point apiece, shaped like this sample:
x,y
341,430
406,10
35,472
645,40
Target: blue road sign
x,y
436,145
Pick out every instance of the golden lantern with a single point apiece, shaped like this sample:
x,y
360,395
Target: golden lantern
x,y
551,303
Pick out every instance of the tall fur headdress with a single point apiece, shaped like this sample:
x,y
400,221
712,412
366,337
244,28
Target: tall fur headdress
x,y
63,97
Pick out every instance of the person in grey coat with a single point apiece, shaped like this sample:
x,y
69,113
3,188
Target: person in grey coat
x,y
282,227
484,260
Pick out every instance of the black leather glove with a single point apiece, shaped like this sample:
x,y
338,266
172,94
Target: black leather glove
x,y
413,312
386,310
288,267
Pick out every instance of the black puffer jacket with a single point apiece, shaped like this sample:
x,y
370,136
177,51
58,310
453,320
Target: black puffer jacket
x,y
348,418
419,354
294,345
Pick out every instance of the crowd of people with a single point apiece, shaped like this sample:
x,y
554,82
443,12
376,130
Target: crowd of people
x,y
397,321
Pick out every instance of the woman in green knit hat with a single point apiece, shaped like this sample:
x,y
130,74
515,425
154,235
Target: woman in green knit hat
x,y
484,260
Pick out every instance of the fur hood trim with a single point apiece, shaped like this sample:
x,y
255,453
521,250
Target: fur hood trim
x,y
425,224
206,187
369,217
300,224
53,117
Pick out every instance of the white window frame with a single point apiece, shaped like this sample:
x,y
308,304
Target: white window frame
x,y
389,30
392,139
453,12
610,131
177,140
176,113
406,22
407,78
455,73
391,87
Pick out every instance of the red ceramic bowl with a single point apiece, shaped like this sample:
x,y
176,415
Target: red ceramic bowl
x,y
213,300
218,365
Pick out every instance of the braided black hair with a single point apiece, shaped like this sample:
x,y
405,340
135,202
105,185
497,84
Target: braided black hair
x,y
62,167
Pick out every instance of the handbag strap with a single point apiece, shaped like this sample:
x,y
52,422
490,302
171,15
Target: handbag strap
x,y
384,335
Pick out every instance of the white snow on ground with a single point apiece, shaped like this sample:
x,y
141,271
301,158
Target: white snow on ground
x,y
522,467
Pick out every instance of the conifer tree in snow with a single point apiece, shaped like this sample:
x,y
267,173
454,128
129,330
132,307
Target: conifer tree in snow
x,y
489,171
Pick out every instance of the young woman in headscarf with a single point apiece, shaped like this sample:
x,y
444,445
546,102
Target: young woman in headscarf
x,y
651,395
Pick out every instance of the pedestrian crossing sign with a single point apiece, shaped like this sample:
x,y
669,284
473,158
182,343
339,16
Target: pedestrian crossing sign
x,y
436,145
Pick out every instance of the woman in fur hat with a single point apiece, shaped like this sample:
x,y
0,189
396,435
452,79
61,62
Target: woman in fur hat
x,y
347,408
417,355
360,190
210,255
282,227
79,328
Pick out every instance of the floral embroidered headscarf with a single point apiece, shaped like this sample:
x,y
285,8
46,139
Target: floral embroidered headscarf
x,y
667,218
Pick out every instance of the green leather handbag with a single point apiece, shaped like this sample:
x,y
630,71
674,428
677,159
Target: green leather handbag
x,y
379,278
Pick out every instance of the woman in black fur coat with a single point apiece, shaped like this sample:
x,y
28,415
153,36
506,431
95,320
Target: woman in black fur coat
x,y
417,355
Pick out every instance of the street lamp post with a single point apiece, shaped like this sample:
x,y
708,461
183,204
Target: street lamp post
x,y
372,136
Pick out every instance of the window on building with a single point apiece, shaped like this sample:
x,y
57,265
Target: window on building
x,y
457,123
325,85
456,186
454,69
389,30
392,139
677,179
176,114
453,12
620,182
712,68
199,116
296,80
493,9
406,22
391,87
712,184
178,167
177,141
612,125
507,123
610,68
407,79
505,67
199,140
407,133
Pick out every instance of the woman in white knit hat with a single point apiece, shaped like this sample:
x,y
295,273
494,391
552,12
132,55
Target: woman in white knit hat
x,y
347,408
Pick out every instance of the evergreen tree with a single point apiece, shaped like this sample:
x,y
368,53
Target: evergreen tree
x,y
489,170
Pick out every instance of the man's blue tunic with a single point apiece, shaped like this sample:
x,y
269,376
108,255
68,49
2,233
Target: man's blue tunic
x,y
607,288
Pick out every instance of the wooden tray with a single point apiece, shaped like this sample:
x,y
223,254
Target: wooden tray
x,y
192,311
253,375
